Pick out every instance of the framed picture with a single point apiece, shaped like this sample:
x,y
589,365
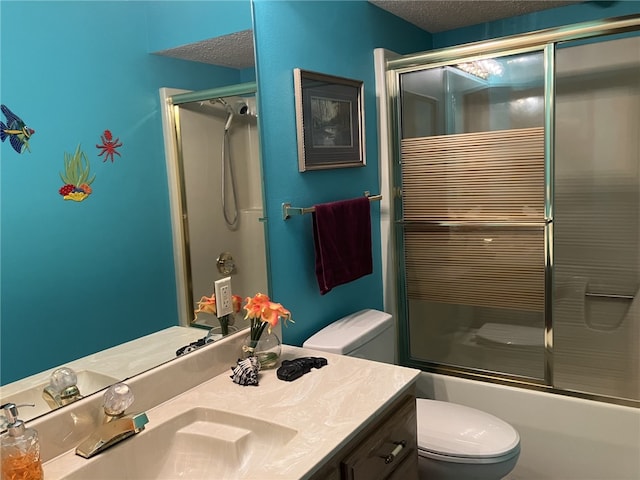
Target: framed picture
x,y
330,121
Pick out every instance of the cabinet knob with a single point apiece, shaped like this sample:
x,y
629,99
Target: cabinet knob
x,y
395,452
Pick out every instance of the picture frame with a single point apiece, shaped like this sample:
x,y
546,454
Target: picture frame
x,y
329,121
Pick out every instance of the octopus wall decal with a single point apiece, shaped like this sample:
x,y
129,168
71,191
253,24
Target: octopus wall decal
x,y
109,146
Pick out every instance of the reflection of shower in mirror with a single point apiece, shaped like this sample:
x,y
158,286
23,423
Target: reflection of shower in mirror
x,y
221,198
233,107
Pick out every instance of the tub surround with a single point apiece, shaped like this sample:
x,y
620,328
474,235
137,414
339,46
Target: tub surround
x,y
561,436
327,407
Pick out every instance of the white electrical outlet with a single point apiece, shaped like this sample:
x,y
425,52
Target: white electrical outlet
x,y
224,303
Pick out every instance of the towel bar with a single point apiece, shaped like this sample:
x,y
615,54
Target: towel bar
x,y
609,295
288,210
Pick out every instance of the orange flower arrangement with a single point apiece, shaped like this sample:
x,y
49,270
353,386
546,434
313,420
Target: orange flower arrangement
x,y
263,312
208,305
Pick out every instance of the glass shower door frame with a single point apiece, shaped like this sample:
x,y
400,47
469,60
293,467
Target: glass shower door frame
x,y
402,224
546,41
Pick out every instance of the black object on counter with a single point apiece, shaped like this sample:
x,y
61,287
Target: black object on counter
x,y
291,370
193,346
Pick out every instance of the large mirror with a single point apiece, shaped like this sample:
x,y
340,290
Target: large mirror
x,y
104,279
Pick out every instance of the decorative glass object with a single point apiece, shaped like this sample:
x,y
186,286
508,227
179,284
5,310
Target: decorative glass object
x,y
266,349
216,333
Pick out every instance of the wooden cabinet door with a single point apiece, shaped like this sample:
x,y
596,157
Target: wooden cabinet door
x,y
388,444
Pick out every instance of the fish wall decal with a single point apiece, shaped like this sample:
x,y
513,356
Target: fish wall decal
x,y
15,130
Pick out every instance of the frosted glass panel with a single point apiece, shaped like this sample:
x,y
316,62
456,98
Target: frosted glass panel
x,y
477,337
497,268
476,299
491,176
596,312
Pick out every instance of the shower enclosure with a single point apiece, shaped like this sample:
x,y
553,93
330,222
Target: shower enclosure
x,y
517,213
213,160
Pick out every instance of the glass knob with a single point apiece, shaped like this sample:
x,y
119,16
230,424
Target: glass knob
x,y
62,378
117,399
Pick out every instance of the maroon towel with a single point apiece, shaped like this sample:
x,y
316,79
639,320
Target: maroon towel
x,y
342,237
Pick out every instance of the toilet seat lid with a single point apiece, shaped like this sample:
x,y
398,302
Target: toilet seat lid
x,y
515,335
456,430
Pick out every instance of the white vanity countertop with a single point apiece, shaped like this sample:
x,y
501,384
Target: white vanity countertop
x,y
327,407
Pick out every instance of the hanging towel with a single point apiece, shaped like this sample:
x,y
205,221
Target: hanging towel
x,y
342,237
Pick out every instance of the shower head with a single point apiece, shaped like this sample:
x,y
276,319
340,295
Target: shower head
x,y
241,108
236,107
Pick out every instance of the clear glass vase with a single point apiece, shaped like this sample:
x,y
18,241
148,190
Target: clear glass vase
x,y
216,333
267,349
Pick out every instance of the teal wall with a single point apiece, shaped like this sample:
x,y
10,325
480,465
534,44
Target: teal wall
x,y
335,38
101,269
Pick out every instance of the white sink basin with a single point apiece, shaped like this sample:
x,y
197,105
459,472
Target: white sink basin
x,y
199,443
88,383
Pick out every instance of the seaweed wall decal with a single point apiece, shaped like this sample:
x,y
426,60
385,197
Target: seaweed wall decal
x,y
76,176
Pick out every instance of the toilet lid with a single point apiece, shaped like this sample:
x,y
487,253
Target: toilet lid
x,y
516,335
456,430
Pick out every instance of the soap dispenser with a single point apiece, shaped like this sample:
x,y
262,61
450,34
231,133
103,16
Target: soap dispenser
x,y
20,454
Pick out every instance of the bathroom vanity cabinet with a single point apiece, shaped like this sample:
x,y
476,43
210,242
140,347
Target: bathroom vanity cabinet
x,y
385,450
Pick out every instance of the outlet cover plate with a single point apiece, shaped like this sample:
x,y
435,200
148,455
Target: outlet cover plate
x,y
224,303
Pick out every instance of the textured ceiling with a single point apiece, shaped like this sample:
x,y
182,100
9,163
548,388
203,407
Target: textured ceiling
x,y
236,50
438,16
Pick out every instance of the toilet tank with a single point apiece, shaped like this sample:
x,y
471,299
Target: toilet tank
x,y
368,334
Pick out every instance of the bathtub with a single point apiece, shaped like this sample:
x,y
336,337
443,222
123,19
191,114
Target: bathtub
x,y
562,437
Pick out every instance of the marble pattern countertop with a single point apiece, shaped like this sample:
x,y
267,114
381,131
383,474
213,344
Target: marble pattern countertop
x,y
327,407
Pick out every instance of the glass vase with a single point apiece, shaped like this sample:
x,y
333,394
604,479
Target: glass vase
x,y
216,333
267,349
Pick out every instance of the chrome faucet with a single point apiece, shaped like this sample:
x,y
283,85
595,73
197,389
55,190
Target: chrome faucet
x,y
116,425
62,388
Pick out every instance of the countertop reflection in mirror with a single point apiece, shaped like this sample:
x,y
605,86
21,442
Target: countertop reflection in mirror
x,y
98,371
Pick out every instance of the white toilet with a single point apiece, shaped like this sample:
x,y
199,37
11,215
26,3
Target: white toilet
x,y
454,441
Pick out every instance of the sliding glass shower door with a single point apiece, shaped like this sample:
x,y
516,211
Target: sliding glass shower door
x,y
473,217
517,220
596,313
